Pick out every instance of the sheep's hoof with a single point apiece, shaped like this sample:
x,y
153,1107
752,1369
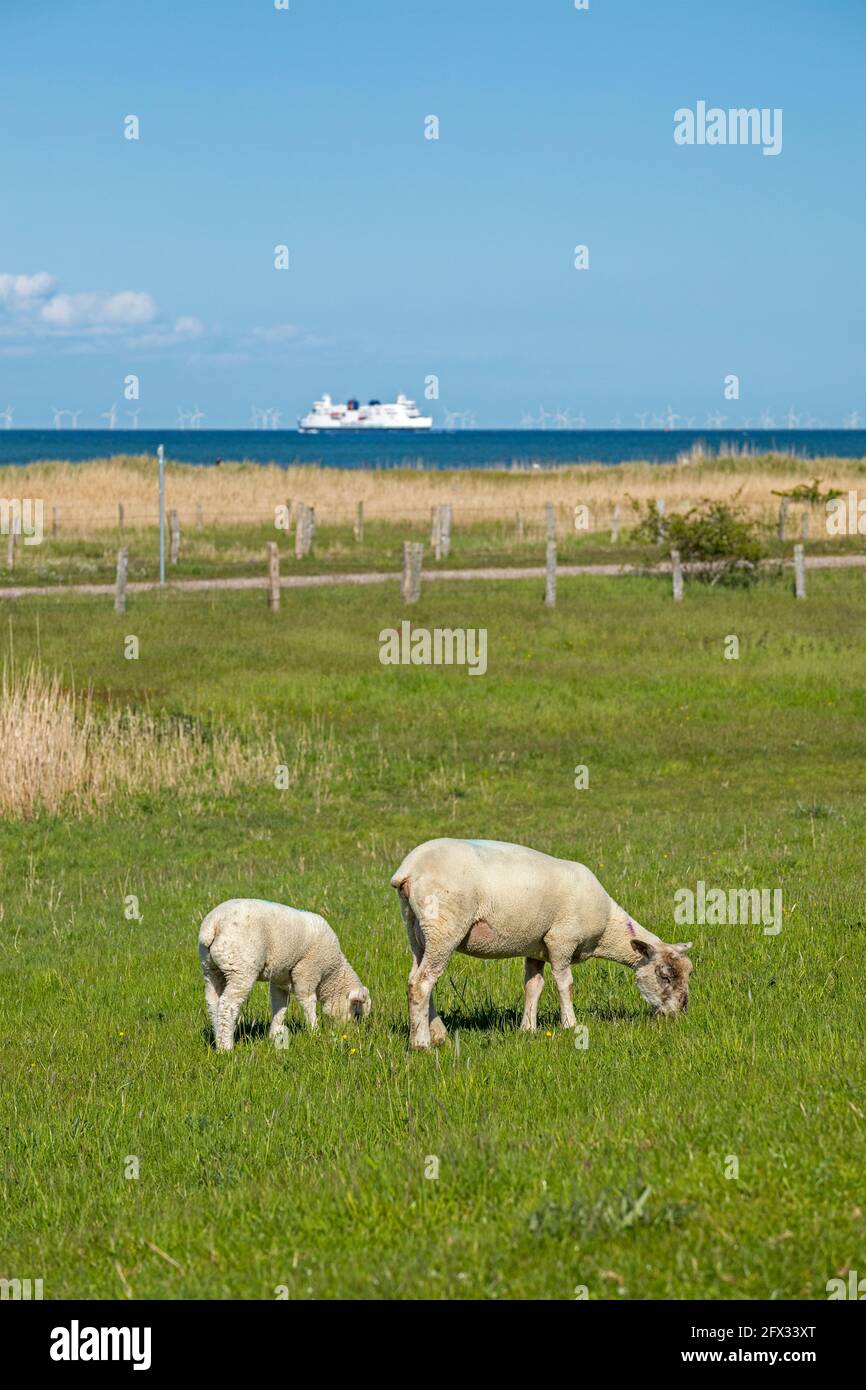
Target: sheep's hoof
x,y
438,1033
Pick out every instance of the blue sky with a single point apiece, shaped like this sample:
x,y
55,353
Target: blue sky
x,y
412,257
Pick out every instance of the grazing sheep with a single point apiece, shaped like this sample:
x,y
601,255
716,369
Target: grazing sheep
x,y
495,900
247,939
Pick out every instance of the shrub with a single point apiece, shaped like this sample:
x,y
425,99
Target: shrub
x,y
718,541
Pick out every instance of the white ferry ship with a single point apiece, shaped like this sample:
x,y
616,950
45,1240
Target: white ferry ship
x,y
401,414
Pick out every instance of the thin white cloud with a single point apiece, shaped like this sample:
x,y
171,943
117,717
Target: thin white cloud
x,y
277,333
19,292
185,330
127,309
33,307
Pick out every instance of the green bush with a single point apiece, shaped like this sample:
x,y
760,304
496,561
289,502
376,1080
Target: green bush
x,y
719,542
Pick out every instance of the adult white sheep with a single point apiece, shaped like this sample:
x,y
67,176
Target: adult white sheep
x,y
495,900
248,939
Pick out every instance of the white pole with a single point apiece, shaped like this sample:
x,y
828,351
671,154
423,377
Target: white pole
x,y
160,453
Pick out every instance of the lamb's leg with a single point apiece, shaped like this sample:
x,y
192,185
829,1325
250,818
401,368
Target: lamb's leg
x,y
564,982
533,982
305,982
438,1031
214,984
231,1001
279,1004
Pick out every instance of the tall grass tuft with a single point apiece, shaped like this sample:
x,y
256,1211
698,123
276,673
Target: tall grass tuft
x,y
60,755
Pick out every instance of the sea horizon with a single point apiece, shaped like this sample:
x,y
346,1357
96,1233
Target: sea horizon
x,y
434,449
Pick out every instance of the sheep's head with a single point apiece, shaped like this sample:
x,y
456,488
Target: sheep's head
x,y
662,975
351,1005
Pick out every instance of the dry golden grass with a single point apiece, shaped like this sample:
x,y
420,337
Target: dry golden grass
x,y
62,756
88,493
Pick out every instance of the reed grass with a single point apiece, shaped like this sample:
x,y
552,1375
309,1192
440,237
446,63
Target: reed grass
x,y
63,755
88,493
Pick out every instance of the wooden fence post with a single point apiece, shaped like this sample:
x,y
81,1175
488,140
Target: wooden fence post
x,y
804,526
120,516
199,515
661,507
310,530
445,530
783,516
120,582
410,584
55,521
359,524
174,541
273,576
436,532
677,573
799,571
300,526
14,523
551,521
550,576
614,525
518,523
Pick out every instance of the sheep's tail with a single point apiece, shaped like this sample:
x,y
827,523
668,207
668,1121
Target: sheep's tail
x,y
208,931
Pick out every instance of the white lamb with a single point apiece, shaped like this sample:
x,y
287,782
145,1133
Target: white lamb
x,y
495,900
248,939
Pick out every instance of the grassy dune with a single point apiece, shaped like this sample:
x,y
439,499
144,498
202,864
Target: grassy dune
x,y
557,1167
88,494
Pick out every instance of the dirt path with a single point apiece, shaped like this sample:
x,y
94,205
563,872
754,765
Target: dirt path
x,y
317,581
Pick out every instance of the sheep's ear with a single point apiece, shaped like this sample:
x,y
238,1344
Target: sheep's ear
x,y
682,947
642,948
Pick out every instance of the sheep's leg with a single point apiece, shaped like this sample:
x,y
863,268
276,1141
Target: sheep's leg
x,y
562,976
533,984
305,981
231,1002
279,1004
437,1030
214,984
420,1002
308,1004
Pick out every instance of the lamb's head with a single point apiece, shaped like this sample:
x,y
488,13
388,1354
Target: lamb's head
x,y
662,975
350,1000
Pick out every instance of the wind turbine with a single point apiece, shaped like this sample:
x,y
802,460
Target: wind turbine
x,y
580,422
182,417
767,421
6,417
543,417
852,421
275,416
526,421
616,423
715,421
196,418
670,419
110,416
642,417
133,415
73,415
58,417
562,420
791,420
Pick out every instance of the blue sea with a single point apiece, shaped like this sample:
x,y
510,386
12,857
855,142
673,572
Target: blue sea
x,y
433,450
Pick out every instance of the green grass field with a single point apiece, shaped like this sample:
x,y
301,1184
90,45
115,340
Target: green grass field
x,y
234,551
307,1168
